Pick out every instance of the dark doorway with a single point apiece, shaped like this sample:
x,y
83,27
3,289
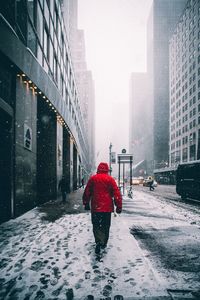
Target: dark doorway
x,y
5,165
46,152
66,157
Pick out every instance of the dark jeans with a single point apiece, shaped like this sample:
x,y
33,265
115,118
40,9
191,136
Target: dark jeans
x,y
151,187
101,226
64,194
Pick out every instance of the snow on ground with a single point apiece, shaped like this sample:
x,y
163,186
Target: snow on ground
x,y
44,260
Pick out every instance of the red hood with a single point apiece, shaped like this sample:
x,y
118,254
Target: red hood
x,y
103,168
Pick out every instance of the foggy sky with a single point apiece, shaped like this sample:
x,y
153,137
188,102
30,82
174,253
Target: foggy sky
x,y
115,37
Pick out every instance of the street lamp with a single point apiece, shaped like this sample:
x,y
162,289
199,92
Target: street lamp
x,y
110,168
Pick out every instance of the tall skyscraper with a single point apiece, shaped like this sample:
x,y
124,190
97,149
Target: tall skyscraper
x,y
140,124
84,80
162,21
149,92
185,87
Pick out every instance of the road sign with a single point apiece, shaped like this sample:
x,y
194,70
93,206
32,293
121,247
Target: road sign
x,y
125,158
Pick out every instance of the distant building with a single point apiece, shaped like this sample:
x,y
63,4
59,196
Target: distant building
x,y
185,87
86,90
163,18
84,80
140,121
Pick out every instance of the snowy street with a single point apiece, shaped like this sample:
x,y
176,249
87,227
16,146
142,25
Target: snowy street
x,y
152,253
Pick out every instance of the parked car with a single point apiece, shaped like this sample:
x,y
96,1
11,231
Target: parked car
x,y
141,179
135,181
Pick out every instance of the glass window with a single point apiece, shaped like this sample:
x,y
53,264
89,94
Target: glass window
x,y
40,55
192,152
62,86
70,105
66,97
31,5
62,44
59,77
21,19
40,24
51,55
32,40
7,9
56,19
55,44
55,69
45,65
51,29
51,6
46,43
46,13
41,2
185,154
59,32
58,54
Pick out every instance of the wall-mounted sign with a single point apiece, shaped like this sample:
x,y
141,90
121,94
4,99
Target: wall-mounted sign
x,y
27,137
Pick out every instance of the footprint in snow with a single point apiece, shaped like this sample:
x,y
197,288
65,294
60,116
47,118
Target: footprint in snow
x,y
40,295
37,265
57,291
127,271
107,290
87,275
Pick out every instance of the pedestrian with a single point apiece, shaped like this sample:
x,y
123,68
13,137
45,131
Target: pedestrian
x,y
82,182
103,193
151,185
63,187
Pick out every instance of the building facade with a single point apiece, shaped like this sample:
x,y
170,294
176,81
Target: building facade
x,y
140,122
85,83
185,87
162,20
42,131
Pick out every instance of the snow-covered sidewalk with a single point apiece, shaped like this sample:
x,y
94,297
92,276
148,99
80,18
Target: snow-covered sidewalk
x,y
47,260
48,253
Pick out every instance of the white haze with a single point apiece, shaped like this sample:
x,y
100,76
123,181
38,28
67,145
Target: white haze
x,y
115,37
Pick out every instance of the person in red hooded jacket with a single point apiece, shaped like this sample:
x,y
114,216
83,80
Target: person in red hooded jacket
x,y
103,193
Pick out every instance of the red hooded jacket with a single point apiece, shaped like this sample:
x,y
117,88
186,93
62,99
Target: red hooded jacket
x,y
102,189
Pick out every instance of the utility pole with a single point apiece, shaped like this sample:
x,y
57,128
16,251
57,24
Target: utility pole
x,y
110,168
